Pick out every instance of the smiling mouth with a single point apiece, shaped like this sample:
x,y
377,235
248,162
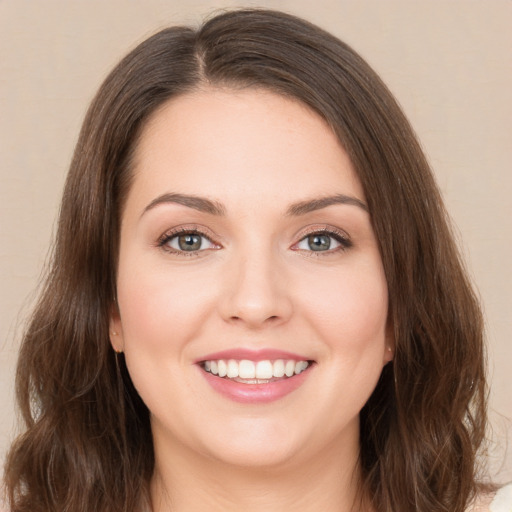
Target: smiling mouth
x,y
255,372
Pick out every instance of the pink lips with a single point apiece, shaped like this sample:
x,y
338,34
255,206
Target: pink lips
x,y
254,393
252,355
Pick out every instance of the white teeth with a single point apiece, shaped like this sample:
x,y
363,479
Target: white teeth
x,y
255,371
278,369
246,369
289,368
223,368
300,367
232,369
264,370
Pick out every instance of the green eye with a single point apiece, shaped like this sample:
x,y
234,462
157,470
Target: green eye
x,y
319,242
187,241
324,241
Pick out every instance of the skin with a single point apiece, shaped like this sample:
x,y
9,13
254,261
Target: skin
x,y
256,283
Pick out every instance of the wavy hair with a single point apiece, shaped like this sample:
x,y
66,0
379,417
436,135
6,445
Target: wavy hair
x,y
87,444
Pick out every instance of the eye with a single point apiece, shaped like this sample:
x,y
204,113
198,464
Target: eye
x,y
190,241
324,241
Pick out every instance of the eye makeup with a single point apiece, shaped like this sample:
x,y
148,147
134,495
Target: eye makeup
x,y
194,240
187,241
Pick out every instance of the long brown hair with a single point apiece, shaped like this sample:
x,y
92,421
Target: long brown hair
x,y
87,444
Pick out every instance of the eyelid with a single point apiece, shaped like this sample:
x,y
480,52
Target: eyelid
x,y
338,234
182,230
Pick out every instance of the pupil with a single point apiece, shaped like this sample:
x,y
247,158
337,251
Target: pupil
x,y
319,242
189,242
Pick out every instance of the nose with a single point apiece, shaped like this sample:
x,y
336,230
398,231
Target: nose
x,y
255,292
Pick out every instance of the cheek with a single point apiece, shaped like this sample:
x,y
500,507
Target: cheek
x,y
161,314
348,315
349,307
160,309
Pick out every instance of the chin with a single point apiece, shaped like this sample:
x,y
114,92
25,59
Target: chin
x,y
260,446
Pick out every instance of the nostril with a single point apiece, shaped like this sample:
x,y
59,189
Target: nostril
x,y
270,318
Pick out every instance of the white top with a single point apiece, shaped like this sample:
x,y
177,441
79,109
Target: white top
x,y
502,501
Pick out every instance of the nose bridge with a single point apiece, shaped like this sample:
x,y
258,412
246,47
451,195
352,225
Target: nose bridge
x,y
254,292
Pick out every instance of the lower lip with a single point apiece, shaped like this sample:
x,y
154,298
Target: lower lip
x,y
255,393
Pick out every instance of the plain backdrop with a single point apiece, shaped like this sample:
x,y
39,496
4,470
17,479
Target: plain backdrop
x,y
448,63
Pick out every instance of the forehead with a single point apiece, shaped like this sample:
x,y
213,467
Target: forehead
x,y
238,144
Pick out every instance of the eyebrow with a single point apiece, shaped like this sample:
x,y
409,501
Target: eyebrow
x,y
215,208
303,207
197,203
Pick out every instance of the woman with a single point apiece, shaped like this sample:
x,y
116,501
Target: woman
x,y
255,300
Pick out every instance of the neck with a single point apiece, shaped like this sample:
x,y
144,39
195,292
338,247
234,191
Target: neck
x,y
185,481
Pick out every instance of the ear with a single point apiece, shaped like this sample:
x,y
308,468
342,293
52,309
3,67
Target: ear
x,y
389,352
116,329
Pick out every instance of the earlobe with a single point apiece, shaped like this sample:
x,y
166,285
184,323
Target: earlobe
x,y
116,330
389,352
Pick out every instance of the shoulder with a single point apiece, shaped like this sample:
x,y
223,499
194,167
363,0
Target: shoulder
x,y
502,501
499,501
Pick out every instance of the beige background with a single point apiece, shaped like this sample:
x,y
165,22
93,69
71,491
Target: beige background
x,y
448,63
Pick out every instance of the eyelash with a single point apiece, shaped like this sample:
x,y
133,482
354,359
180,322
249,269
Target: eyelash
x,y
340,237
167,237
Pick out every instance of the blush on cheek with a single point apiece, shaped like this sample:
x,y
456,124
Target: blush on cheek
x,y
356,314
157,325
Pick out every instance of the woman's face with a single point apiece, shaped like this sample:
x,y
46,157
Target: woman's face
x,y
246,247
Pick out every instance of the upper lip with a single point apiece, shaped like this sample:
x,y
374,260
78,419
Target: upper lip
x,y
252,355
